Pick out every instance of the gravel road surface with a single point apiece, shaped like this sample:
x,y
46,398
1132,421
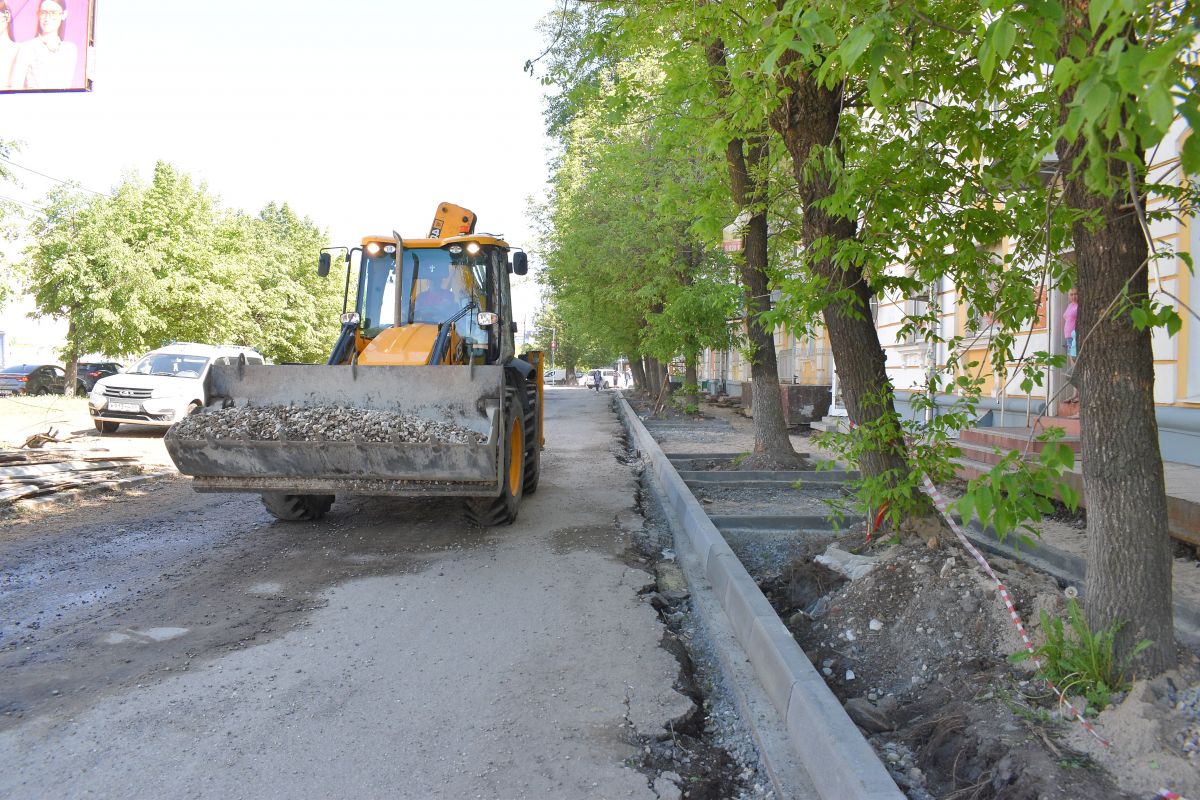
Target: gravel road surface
x,y
174,644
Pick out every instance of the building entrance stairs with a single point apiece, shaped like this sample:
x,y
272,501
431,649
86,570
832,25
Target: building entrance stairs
x,y
979,455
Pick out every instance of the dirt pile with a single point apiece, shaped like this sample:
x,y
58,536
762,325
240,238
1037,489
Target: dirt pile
x,y
319,423
917,652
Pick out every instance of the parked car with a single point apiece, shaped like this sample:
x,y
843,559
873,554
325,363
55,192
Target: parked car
x,y
162,387
91,371
33,379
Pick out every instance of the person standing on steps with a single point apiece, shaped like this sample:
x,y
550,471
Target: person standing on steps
x,y
1071,340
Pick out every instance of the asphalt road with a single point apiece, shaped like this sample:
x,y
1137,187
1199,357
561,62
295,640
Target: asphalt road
x,y
173,644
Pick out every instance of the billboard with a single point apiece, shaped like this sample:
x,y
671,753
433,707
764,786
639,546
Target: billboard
x,y
45,45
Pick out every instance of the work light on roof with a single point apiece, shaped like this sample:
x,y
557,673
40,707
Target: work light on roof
x,y
373,248
472,247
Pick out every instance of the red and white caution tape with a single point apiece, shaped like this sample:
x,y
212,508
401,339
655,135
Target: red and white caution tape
x,y
943,508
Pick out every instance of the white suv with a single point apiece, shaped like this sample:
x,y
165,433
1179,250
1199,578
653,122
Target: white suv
x,y
163,386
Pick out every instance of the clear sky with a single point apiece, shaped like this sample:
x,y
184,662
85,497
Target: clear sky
x,y
361,114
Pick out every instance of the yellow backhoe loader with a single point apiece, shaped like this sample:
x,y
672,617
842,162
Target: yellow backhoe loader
x,y
424,393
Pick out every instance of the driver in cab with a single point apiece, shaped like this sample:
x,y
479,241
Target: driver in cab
x,y
441,295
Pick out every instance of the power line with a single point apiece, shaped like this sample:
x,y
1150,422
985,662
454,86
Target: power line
x,y
48,177
23,203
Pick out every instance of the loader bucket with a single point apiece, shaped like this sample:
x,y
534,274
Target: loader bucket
x,y
311,463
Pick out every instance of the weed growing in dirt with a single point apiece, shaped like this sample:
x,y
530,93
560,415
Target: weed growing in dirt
x,y
1016,703
738,459
1080,661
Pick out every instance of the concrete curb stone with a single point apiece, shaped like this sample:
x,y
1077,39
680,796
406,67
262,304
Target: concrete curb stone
x,y
840,763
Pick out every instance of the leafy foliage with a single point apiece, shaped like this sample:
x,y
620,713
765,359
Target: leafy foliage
x,y
1016,490
625,269
944,169
163,262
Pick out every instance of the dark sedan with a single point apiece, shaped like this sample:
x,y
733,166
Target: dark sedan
x,y
33,379
92,371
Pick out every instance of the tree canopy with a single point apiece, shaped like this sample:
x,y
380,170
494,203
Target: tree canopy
x,y
160,262
974,144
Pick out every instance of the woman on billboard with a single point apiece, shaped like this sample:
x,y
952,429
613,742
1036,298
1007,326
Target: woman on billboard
x,y
8,48
47,61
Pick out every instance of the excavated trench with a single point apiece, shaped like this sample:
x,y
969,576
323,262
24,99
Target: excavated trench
x,y
916,651
700,754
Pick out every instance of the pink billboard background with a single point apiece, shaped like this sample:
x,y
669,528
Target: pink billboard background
x,y
75,29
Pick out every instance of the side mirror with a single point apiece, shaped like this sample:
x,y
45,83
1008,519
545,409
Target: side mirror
x,y
520,263
323,264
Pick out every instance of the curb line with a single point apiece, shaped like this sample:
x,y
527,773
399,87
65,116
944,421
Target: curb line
x,y
840,763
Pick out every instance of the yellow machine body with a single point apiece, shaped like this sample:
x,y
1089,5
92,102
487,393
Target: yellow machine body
x,y
407,346
461,370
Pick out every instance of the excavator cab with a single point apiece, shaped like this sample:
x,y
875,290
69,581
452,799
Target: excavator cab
x,y
437,307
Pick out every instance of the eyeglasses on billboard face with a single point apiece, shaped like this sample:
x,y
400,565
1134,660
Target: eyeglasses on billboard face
x,y
45,12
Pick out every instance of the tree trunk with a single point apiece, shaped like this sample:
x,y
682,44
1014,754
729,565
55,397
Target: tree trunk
x,y
772,445
1129,547
692,397
808,118
72,359
639,374
654,377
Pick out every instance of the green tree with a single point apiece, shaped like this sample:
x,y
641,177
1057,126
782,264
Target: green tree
x,y
1121,73
625,264
163,262
921,136
11,219
79,269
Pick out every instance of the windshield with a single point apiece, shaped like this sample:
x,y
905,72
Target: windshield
x,y
435,285
173,364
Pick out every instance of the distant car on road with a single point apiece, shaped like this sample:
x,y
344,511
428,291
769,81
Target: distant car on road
x,y
33,379
91,371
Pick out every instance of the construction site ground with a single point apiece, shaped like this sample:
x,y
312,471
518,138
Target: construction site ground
x,y
159,642
917,650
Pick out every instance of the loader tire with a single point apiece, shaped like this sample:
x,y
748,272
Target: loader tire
x,y
488,512
296,507
533,445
